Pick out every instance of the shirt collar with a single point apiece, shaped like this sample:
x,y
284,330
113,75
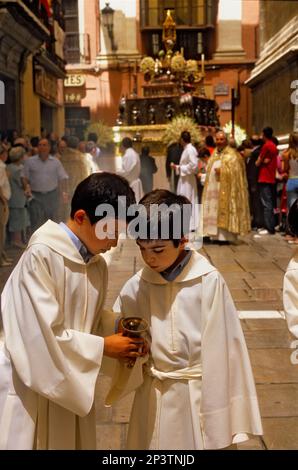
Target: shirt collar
x,y
171,274
82,249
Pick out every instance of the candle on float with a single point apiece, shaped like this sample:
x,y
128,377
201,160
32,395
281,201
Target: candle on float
x,y
203,64
182,51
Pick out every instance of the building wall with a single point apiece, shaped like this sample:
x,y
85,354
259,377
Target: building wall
x,y
272,101
276,14
109,76
31,103
276,68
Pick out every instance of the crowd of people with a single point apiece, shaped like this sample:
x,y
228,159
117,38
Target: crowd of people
x,y
56,330
249,187
38,177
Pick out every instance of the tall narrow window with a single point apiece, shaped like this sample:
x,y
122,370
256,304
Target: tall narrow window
x,y
155,44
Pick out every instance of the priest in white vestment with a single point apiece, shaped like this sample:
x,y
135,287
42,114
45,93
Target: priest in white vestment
x,y
187,170
131,167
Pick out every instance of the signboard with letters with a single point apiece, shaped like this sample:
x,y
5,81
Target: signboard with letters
x,y
225,106
74,80
45,85
221,88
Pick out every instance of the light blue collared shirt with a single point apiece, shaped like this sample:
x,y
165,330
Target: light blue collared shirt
x,y
170,275
82,249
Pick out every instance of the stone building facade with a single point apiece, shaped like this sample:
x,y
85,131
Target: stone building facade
x,y
274,79
102,63
32,66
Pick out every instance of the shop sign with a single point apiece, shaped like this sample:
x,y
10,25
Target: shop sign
x,y
72,97
74,80
45,85
221,89
226,106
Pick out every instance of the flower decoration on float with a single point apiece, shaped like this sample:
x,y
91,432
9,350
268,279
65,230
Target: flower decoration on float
x,y
191,67
147,65
178,63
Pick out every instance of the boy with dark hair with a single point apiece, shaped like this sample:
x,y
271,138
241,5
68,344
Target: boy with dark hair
x,y
55,327
196,391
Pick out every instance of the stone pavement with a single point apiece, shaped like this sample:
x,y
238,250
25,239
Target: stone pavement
x,y
254,271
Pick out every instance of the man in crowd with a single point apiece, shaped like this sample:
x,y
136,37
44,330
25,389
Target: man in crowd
x,y
42,177
267,163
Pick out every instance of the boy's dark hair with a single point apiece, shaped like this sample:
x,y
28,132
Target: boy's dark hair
x,y
145,150
185,136
203,152
268,132
101,188
34,141
177,212
126,142
293,218
93,137
209,141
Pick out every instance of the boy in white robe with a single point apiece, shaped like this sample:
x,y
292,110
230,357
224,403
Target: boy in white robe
x,y
290,287
55,329
196,391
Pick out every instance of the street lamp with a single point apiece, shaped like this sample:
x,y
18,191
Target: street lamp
x,y
108,22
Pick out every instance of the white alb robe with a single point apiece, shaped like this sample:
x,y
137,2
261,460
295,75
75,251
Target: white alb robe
x,y
52,313
197,390
187,183
290,295
131,169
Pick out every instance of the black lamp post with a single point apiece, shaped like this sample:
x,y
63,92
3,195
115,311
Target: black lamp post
x,y
108,22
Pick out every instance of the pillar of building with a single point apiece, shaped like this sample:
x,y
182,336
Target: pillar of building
x,y
229,30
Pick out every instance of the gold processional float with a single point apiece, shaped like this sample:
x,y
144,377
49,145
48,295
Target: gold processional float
x,y
173,87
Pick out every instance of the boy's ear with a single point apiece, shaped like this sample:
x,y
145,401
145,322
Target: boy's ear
x,y
79,216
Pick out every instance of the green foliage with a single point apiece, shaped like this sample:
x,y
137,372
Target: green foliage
x,y
104,133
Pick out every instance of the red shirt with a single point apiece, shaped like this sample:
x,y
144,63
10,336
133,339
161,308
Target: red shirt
x,y
268,170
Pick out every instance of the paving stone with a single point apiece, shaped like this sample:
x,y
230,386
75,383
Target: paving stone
x,y
103,413
264,266
263,324
121,412
237,275
258,305
278,400
268,339
109,437
240,294
266,294
227,267
236,283
255,443
273,366
281,433
282,263
265,282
